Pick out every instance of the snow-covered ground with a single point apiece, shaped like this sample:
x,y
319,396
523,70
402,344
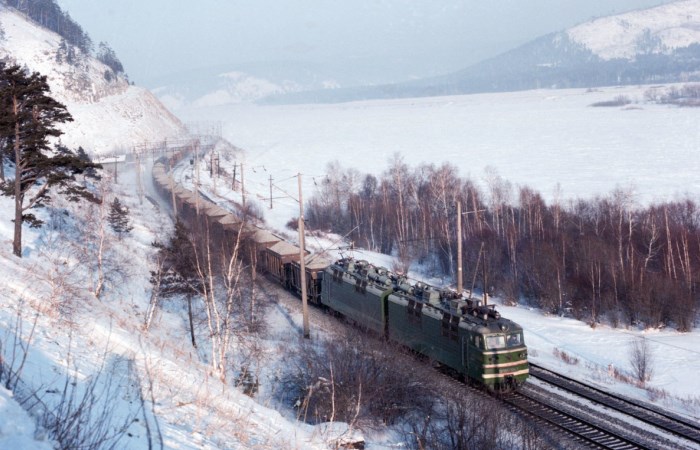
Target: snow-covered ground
x,y
153,382
553,141
17,428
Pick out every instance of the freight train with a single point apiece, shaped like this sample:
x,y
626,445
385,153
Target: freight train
x,y
464,335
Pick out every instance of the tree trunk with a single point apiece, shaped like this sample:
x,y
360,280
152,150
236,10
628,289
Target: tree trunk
x,y
17,241
189,315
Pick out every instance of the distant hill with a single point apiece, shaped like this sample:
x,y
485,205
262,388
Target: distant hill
x,y
240,83
109,114
660,44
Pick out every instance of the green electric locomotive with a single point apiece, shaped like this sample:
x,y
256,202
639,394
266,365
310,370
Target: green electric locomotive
x,y
470,338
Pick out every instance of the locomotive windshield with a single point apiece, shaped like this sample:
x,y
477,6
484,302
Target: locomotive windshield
x,y
515,339
497,341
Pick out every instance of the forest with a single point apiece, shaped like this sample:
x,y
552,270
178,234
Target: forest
x,y
606,259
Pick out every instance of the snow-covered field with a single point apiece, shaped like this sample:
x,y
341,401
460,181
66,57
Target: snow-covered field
x,y
540,138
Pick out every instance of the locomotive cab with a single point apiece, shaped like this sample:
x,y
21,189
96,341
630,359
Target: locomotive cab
x,y
504,356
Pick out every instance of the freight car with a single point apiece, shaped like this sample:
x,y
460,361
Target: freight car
x,y
463,335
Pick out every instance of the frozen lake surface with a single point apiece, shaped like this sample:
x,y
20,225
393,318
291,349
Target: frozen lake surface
x,y
540,138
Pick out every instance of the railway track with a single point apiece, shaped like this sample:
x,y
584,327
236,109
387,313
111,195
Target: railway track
x,y
646,414
596,419
585,432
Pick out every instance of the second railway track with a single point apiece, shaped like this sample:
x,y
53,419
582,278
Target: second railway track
x,y
634,424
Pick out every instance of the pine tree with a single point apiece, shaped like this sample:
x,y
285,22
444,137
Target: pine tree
x,y
179,276
108,57
90,168
61,52
28,120
118,218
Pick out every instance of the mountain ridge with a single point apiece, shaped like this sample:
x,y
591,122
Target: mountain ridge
x,y
659,45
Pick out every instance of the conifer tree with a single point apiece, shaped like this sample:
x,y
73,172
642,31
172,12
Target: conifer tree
x,y
118,218
179,276
28,121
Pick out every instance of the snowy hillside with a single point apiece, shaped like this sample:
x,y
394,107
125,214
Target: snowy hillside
x,y
230,88
133,113
240,88
216,86
655,30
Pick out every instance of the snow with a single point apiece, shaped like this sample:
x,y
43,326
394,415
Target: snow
x,y
676,24
134,114
551,140
17,428
240,88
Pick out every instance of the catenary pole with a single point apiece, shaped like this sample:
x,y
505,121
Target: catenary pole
x,y
459,248
302,263
242,187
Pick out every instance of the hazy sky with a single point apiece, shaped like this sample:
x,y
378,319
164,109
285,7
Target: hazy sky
x,y
158,37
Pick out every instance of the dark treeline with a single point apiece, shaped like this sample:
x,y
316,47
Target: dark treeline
x,y
596,259
48,14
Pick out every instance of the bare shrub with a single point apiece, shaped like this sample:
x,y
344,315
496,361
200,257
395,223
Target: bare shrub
x,y
12,366
353,379
463,420
688,95
560,354
252,210
615,373
293,224
84,415
642,360
620,100
80,413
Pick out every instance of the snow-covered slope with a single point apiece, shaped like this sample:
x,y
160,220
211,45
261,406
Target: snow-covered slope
x,y
224,86
108,114
660,29
241,88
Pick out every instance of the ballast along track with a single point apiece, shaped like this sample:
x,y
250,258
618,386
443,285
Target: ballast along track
x,y
582,431
648,414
